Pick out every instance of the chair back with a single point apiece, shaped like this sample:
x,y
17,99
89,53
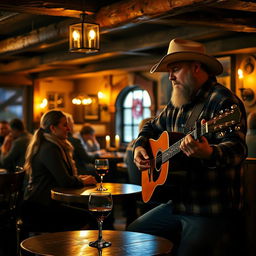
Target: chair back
x,y
11,191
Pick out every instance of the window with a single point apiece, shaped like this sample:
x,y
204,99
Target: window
x,y
135,107
11,103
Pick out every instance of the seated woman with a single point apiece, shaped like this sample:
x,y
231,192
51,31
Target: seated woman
x,y
49,164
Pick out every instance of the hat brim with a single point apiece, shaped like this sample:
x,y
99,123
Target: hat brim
x,y
214,66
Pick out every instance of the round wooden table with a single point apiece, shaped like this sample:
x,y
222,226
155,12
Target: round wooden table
x,y
80,195
76,243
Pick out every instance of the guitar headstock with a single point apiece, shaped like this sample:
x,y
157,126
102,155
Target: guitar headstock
x,y
225,120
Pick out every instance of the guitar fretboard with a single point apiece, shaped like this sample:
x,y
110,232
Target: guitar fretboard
x,y
175,148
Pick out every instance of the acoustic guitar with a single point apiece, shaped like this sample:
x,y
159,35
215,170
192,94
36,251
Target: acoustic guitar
x,y
160,152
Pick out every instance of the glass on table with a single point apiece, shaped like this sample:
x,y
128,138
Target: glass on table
x,y
100,205
102,168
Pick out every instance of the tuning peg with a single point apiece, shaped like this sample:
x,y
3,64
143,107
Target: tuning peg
x,y
237,128
221,112
222,134
233,106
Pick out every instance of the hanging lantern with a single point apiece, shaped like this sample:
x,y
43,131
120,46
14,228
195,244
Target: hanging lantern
x,y
84,36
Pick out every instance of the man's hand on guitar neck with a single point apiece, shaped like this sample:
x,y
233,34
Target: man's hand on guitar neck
x,y
141,158
196,148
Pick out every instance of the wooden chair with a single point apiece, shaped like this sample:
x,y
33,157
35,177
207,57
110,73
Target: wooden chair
x,y
11,193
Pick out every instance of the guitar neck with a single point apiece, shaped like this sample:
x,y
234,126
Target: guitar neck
x,y
175,148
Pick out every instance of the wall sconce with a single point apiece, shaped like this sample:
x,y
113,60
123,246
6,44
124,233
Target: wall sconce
x,y
44,103
102,98
84,36
82,100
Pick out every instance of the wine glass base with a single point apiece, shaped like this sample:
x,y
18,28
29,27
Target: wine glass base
x,y
100,244
101,189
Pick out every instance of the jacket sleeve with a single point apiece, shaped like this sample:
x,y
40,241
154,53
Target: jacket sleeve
x,y
52,159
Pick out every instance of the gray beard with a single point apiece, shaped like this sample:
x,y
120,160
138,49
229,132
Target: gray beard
x,y
182,95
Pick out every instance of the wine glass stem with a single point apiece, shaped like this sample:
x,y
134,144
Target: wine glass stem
x,y
100,230
101,181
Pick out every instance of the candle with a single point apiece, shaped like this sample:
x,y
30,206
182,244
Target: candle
x,y
241,77
117,141
76,39
107,142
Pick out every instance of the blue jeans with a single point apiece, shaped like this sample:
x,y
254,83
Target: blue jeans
x,y
191,235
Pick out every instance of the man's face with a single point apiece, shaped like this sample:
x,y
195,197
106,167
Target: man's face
x,y
183,82
4,129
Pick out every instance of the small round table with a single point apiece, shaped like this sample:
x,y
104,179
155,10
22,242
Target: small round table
x,y
76,243
80,195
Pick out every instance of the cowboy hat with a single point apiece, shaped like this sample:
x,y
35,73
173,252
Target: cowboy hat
x,y
186,50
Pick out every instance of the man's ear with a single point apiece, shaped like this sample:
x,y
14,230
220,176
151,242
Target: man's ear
x,y
52,128
197,66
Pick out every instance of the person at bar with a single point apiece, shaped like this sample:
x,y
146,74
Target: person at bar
x,y
84,162
14,146
204,216
49,164
4,130
89,141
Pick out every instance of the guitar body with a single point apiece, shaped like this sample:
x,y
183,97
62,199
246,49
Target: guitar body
x,y
160,152
158,172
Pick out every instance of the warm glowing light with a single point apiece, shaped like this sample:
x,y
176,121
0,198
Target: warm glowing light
x,y
76,35
82,100
92,34
101,95
117,141
87,101
107,141
84,36
44,103
240,73
76,101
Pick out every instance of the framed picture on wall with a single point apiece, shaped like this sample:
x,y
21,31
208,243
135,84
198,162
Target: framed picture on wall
x,y
92,110
55,100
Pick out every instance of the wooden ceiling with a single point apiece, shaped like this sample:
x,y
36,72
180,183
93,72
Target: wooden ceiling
x,y
134,33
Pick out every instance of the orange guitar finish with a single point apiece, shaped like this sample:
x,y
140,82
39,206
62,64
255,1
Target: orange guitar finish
x,y
157,174
161,152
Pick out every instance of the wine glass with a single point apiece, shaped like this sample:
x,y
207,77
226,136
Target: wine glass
x,y
100,205
102,167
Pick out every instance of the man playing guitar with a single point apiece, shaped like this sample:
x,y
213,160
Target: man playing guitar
x,y
204,218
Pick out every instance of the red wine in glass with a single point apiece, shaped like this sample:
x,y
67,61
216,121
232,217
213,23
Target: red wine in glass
x,y
102,167
100,213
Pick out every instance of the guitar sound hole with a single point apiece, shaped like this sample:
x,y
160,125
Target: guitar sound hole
x,y
157,169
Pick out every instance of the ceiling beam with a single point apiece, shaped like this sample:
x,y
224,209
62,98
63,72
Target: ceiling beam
x,y
248,6
218,47
132,10
139,43
42,35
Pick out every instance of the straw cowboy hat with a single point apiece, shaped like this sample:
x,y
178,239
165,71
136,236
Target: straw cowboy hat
x,y
186,50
